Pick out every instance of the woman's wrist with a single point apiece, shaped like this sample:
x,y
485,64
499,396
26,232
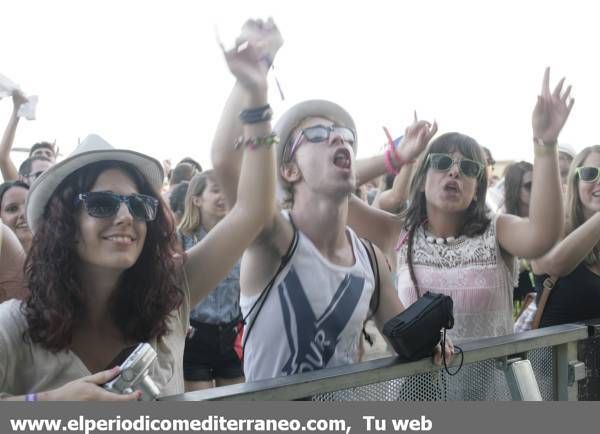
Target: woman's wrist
x,y
257,96
540,148
390,165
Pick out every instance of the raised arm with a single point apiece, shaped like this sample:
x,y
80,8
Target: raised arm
x,y
381,227
210,260
533,237
7,167
226,163
415,140
393,199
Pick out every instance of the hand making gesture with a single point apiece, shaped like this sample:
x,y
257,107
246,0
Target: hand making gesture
x,y
551,111
253,53
415,140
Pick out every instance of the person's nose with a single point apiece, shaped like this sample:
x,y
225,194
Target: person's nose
x,y
123,214
336,137
454,170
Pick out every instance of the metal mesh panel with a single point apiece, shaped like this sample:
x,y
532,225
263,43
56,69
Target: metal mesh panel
x,y
589,353
481,381
542,362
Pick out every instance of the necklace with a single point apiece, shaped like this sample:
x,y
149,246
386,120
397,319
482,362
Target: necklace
x,y
440,240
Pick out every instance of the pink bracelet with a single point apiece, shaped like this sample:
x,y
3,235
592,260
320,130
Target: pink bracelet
x,y
389,165
396,158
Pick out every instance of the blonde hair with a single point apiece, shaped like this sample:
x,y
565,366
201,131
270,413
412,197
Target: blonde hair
x,y
575,215
192,215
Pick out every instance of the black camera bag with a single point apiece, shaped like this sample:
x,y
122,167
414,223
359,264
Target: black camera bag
x,y
416,331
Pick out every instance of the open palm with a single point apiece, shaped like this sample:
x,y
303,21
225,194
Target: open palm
x,y
551,111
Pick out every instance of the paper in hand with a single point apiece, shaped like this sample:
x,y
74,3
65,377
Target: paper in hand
x,y
27,110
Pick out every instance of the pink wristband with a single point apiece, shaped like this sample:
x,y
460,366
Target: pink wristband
x,y
389,165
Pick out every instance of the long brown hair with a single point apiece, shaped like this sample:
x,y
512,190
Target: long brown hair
x,y
147,292
513,178
476,219
575,215
192,215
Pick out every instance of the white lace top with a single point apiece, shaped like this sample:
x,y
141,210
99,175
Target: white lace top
x,y
472,271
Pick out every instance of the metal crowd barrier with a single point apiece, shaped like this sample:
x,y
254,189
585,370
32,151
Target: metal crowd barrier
x,y
565,361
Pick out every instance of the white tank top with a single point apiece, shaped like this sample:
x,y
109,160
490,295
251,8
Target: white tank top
x,y
313,316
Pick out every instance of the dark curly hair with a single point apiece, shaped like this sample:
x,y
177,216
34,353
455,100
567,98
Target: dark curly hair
x,y
476,219
147,292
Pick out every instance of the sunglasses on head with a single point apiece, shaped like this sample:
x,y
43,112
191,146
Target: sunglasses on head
x,y
321,133
588,174
103,204
443,162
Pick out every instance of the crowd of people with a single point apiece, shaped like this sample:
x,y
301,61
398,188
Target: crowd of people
x,y
271,263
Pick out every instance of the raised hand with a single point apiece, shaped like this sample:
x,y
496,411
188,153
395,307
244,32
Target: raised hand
x,y
18,99
265,36
551,111
415,140
245,64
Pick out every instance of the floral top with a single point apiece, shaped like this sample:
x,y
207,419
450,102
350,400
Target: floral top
x,y
472,271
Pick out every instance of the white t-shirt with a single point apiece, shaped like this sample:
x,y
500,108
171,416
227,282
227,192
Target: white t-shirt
x,y
313,316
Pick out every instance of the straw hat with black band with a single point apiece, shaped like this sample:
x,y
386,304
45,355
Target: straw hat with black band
x,y
294,116
91,150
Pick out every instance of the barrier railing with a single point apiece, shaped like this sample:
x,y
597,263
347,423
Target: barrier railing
x,y
552,353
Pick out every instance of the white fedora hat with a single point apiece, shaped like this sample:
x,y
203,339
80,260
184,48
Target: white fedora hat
x,y
91,150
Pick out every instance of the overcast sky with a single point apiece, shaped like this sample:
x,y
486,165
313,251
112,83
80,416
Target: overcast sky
x,y
149,76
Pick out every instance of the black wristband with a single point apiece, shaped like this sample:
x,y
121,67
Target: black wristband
x,y
256,115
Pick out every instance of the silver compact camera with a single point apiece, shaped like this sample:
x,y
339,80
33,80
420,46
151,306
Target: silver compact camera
x,y
134,374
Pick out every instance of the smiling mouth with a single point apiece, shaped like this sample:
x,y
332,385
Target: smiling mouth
x,y
596,194
342,159
121,239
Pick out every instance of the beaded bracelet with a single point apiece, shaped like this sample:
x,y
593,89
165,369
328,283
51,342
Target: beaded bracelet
x,y
255,142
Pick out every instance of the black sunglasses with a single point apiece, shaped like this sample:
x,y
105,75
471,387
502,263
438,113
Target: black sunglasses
x,y
320,133
103,204
443,162
588,174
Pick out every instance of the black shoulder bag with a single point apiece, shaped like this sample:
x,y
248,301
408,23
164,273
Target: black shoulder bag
x,y
416,331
